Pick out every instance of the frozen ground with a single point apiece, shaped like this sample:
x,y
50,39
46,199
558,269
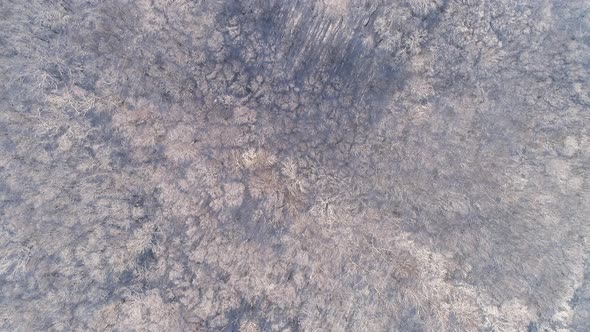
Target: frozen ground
x,y
266,165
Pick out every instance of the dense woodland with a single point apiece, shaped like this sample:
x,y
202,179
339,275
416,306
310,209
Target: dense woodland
x,y
269,165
